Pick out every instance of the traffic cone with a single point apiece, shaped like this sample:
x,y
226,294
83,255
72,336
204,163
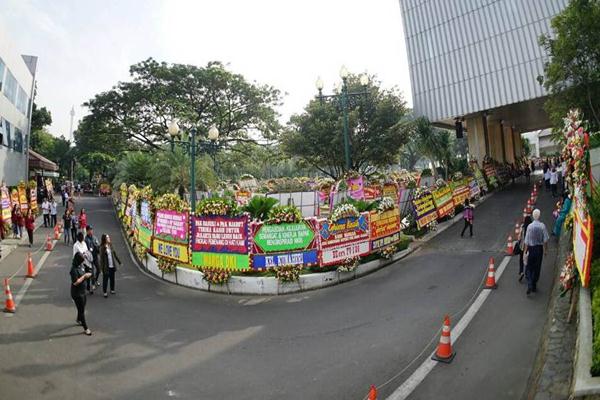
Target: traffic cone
x,y
517,229
444,351
372,393
56,232
490,282
9,306
48,243
509,246
30,271
525,213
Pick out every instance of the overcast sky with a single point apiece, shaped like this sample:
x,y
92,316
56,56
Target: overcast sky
x,y
86,46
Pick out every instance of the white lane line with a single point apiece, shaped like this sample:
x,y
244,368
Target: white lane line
x,y
402,392
28,281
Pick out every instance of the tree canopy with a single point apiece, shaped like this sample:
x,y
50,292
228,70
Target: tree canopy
x,y
376,134
572,74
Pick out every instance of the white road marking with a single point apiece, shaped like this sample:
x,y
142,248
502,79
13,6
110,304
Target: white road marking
x,y
402,392
28,281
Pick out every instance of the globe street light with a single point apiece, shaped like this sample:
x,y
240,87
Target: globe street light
x,y
343,97
192,146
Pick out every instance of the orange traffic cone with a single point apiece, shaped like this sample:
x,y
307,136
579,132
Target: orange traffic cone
x,y
509,246
490,282
517,229
525,213
30,271
48,243
9,306
444,351
372,393
56,232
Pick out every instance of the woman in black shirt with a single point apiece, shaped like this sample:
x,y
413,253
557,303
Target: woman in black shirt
x,y
78,276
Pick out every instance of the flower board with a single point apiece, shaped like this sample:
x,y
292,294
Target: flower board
x,y
344,238
442,198
425,211
384,228
171,226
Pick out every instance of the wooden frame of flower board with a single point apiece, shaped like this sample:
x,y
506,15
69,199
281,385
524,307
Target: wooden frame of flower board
x,y
384,228
221,242
344,238
285,244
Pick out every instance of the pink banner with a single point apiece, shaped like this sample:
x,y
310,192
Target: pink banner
x,y
356,188
171,225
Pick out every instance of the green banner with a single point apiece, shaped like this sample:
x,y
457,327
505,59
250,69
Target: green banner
x,y
221,260
145,236
283,237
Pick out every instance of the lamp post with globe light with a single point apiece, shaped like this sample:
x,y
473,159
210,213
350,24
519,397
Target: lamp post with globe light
x,y
192,147
343,96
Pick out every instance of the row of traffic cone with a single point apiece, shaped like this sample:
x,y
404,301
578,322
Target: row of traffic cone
x,y
527,211
9,305
444,352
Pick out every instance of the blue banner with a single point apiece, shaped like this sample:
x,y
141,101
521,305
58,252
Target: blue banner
x,y
262,261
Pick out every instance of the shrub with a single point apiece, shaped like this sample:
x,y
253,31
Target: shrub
x,y
259,207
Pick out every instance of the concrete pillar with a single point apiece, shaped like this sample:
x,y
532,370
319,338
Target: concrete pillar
x,y
510,144
476,138
518,144
495,138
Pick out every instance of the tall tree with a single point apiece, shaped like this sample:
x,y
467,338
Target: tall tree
x,y
572,74
315,136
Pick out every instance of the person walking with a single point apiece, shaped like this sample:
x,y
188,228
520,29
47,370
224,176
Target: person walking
x,y
46,212
108,256
63,196
82,221
554,181
74,225
468,218
536,245
80,246
527,173
547,179
94,246
66,226
30,225
53,212
524,227
78,277
17,221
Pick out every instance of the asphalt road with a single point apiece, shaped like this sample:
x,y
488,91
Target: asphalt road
x,y
154,340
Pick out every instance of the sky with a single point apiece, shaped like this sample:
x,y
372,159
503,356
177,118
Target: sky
x,y
86,46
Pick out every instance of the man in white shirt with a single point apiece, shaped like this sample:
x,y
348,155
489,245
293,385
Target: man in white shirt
x,y
81,247
46,212
53,213
554,181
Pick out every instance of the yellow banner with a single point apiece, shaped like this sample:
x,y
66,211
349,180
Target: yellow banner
x,y
174,251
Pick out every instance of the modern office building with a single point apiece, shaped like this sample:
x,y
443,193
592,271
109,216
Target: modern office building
x,y
17,85
479,60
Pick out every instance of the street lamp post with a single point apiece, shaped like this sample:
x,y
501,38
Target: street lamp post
x,y
343,98
191,146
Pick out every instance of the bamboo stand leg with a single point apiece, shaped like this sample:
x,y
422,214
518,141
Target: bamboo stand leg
x,y
573,301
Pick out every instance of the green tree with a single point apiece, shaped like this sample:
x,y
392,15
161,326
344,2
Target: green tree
x,y
40,118
572,74
315,136
526,146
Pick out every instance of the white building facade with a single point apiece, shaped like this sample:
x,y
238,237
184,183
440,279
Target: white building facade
x,y
17,85
479,60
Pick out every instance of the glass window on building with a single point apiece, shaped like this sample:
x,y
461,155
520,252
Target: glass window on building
x,y
2,68
22,101
18,140
8,132
10,87
2,135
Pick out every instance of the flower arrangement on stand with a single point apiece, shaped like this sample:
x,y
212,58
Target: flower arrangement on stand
x,y
440,183
284,215
219,206
349,264
433,225
576,155
386,204
457,176
288,273
344,210
166,265
421,191
568,275
141,252
32,184
170,201
215,276
388,252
